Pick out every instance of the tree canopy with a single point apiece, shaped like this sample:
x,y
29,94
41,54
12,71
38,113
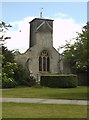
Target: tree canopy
x,y
77,53
14,74
3,27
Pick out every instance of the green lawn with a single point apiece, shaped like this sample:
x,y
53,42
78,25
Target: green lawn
x,y
55,93
27,110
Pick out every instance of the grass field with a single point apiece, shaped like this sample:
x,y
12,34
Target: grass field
x,y
27,110
55,93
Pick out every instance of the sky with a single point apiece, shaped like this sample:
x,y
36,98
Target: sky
x,y
69,18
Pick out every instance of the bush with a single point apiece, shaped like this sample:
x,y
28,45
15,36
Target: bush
x,y
59,81
8,82
30,81
13,73
22,76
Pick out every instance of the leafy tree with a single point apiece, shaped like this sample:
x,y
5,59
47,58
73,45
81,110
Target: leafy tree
x,y
13,73
8,67
77,53
22,76
3,28
8,55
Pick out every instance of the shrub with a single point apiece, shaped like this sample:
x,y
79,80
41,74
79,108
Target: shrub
x,y
30,81
8,82
22,76
13,72
59,81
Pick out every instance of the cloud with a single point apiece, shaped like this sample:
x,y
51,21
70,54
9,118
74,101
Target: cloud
x,y
63,29
19,36
61,15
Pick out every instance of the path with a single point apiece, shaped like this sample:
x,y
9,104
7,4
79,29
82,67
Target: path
x,y
46,101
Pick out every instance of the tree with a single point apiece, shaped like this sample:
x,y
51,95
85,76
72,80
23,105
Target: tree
x,y
3,28
8,56
13,73
77,53
8,67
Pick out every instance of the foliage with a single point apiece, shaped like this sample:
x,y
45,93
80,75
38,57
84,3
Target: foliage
x,y
3,28
22,76
7,82
8,67
8,55
63,81
77,53
13,71
8,75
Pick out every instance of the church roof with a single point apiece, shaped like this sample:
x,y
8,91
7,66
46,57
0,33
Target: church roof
x,y
41,19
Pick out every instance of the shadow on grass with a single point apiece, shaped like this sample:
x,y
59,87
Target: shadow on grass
x,y
71,96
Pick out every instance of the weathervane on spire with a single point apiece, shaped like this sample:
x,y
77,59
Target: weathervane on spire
x,y
41,13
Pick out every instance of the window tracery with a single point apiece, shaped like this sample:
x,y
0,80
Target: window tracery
x,y
44,61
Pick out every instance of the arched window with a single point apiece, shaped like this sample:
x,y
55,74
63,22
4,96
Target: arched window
x,y
44,61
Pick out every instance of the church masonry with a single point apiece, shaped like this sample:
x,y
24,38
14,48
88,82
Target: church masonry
x,y
41,57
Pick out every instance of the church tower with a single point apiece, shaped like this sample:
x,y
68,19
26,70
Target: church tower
x,y
41,32
41,57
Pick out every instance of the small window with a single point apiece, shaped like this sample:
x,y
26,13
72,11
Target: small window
x,y
40,64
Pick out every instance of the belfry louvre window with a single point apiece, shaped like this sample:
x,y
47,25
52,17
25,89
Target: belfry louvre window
x,y
44,61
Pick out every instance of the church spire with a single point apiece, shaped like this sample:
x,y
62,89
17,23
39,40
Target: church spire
x,y
41,13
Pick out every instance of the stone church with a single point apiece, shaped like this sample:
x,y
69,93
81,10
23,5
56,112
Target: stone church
x,y
41,57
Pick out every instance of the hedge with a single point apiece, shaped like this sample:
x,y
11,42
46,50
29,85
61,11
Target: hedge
x,y
59,81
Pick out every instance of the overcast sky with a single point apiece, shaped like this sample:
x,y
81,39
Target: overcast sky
x,y
69,18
